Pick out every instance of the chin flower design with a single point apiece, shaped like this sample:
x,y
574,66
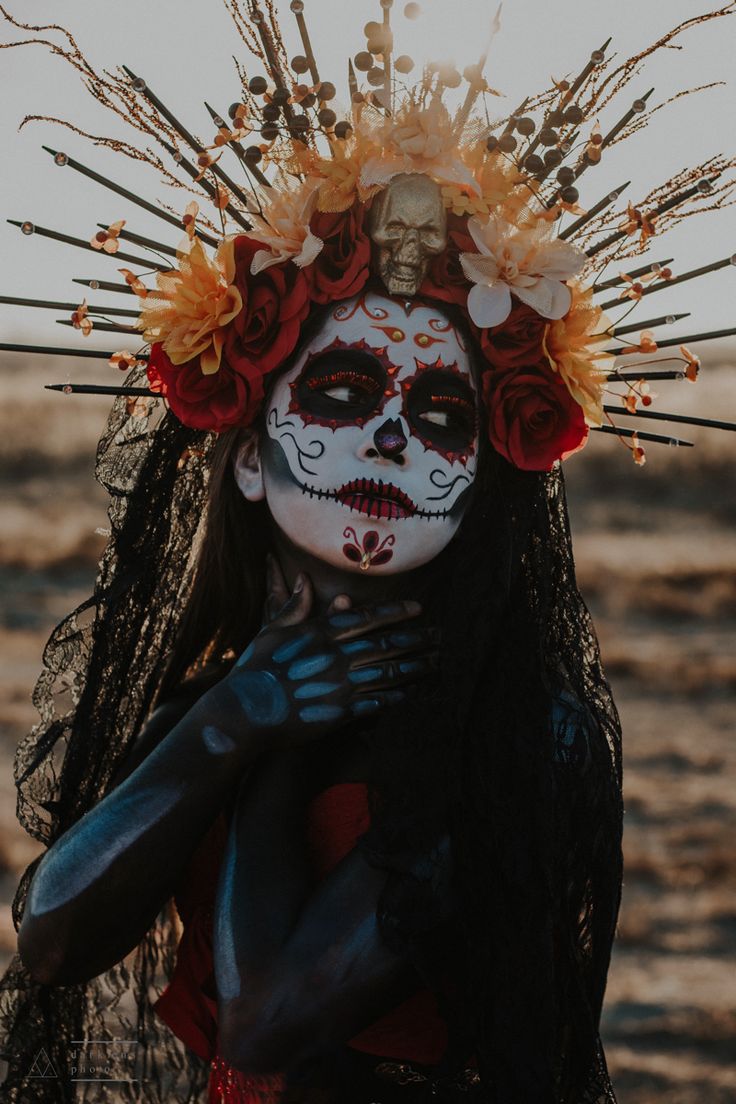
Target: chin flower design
x,y
284,229
192,305
572,345
529,262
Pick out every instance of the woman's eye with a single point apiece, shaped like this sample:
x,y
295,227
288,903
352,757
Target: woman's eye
x,y
344,393
345,387
450,412
437,417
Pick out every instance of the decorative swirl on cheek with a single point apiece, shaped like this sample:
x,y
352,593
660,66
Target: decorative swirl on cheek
x,y
317,447
436,477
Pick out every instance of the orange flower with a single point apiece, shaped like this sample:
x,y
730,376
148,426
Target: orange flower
x,y
80,321
124,360
134,282
637,452
205,160
636,220
189,218
693,363
635,290
108,239
572,345
647,344
193,305
138,406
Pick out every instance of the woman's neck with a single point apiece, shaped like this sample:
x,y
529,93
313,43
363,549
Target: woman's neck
x,y
328,581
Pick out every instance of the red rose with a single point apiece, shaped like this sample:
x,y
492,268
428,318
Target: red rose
x,y
275,303
445,278
216,402
533,419
517,342
342,265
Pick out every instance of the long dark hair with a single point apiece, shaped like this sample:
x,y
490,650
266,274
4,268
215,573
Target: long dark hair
x,y
533,810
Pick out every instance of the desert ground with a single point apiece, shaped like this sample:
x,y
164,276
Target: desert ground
x,y
656,560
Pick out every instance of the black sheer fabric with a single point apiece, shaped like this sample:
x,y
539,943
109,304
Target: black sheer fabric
x,y
511,765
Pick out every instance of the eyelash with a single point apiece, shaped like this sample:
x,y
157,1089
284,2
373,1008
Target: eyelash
x,y
455,400
357,379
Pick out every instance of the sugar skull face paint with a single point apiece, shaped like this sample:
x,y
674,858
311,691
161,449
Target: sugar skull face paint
x,y
371,438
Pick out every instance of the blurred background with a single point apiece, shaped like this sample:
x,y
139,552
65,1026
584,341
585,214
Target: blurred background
x,y
655,545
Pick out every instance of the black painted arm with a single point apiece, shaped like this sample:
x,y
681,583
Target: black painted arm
x,y
100,886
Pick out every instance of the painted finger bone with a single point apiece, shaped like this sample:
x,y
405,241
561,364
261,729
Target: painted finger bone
x,y
408,224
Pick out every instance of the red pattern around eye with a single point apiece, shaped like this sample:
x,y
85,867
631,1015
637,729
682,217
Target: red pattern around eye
x,y
451,456
337,423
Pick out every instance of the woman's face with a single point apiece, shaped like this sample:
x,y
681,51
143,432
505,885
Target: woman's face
x,y
371,438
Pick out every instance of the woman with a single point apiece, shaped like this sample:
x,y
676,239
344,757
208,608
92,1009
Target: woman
x,y
423,634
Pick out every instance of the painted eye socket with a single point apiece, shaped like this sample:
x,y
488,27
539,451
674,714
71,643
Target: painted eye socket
x,y
442,409
343,384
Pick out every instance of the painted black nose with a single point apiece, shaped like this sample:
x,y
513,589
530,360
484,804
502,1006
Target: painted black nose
x,y
389,439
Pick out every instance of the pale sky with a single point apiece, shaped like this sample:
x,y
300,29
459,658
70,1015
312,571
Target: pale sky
x,y
183,49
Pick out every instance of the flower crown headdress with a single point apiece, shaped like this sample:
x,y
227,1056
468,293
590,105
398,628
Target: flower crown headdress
x,y
436,204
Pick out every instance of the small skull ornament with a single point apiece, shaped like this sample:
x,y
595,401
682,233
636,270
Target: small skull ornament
x,y
408,223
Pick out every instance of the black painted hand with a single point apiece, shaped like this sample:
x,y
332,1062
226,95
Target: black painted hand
x,y
303,676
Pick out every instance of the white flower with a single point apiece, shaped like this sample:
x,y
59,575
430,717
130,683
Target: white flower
x,y
530,263
284,229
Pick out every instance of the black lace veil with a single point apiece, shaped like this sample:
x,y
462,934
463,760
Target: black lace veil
x,y
101,667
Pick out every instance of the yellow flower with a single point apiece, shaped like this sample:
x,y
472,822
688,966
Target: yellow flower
x,y
192,306
572,348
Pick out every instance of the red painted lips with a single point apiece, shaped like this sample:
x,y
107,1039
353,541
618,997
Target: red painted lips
x,y
377,499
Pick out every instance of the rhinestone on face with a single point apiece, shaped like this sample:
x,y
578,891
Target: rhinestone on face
x,y
139,84
27,228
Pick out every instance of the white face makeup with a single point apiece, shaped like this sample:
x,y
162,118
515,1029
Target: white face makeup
x,y
372,437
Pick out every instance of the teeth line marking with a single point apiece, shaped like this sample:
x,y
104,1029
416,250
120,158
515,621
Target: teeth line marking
x,y
375,491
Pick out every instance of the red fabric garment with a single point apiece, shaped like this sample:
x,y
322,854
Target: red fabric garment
x,y
413,1031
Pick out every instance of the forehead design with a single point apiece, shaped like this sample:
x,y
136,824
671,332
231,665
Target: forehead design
x,y
403,330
